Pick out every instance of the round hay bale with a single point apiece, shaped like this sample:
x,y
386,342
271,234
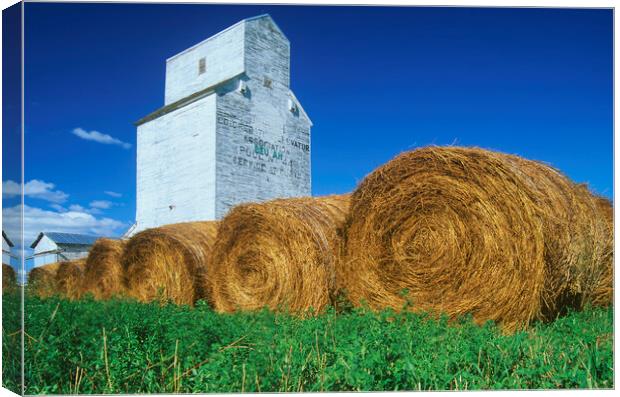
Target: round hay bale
x,y
603,294
575,237
447,229
69,278
103,272
42,280
169,262
9,278
279,254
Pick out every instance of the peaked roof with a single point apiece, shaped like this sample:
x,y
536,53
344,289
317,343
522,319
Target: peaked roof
x,y
7,239
66,238
294,98
267,16
275,25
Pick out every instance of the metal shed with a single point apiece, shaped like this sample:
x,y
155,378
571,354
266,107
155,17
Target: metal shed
x,y
50,247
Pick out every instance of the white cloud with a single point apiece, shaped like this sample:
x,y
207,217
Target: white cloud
x,y
101,204
79,208
100,137
35,189
37,220
96,209
58,207
113,194
10,189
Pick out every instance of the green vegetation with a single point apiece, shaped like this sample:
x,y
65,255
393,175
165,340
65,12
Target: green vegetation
x,y
120,346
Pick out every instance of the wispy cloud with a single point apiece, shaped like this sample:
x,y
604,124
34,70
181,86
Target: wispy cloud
x,y
113,194
58,217
35,189
94,207
101,204
100,137
75,220
10,189
58,207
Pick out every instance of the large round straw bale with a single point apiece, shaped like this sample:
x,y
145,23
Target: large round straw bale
x,y
69,278
103,272
42,280
279,254
576,237
452,230
9,278
604,290
169,262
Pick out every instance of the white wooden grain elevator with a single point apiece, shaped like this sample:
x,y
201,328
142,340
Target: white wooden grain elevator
x,y
230,130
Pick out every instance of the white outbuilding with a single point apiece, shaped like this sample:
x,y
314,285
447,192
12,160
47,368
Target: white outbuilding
x,y
50,247
7,250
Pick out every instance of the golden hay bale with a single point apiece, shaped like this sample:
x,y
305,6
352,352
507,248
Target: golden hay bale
x,y
69,278
575,233
279,254
42,280
603,294
465,230
9,278
103,272
169,262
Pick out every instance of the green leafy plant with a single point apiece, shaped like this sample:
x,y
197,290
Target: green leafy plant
x,y
121,346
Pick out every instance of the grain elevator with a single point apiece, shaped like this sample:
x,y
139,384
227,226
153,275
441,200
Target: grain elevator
x,y
230,130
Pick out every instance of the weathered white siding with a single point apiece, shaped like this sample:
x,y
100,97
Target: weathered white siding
x,y
223,55
45,252
6,252
263,147
176,166
62,254
195,161
267,51
45,245
263,150
69,254
45,259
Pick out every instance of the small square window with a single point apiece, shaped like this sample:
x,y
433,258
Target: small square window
x,y
202,65
267,82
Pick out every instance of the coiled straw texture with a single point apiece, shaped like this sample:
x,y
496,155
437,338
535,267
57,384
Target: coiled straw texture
x,y
169,263
42,280
69,278
280,254
103,272
468,231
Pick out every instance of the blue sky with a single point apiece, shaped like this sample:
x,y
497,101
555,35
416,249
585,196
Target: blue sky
x,y
375,81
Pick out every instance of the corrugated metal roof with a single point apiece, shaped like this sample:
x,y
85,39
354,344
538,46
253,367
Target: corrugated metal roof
x,y
67,238
70,238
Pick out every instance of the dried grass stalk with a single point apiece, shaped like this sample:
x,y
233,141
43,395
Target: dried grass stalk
x,y
169,262
603,294
69,278
9,278
103,273
42,280
469,231
279,254
575,233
